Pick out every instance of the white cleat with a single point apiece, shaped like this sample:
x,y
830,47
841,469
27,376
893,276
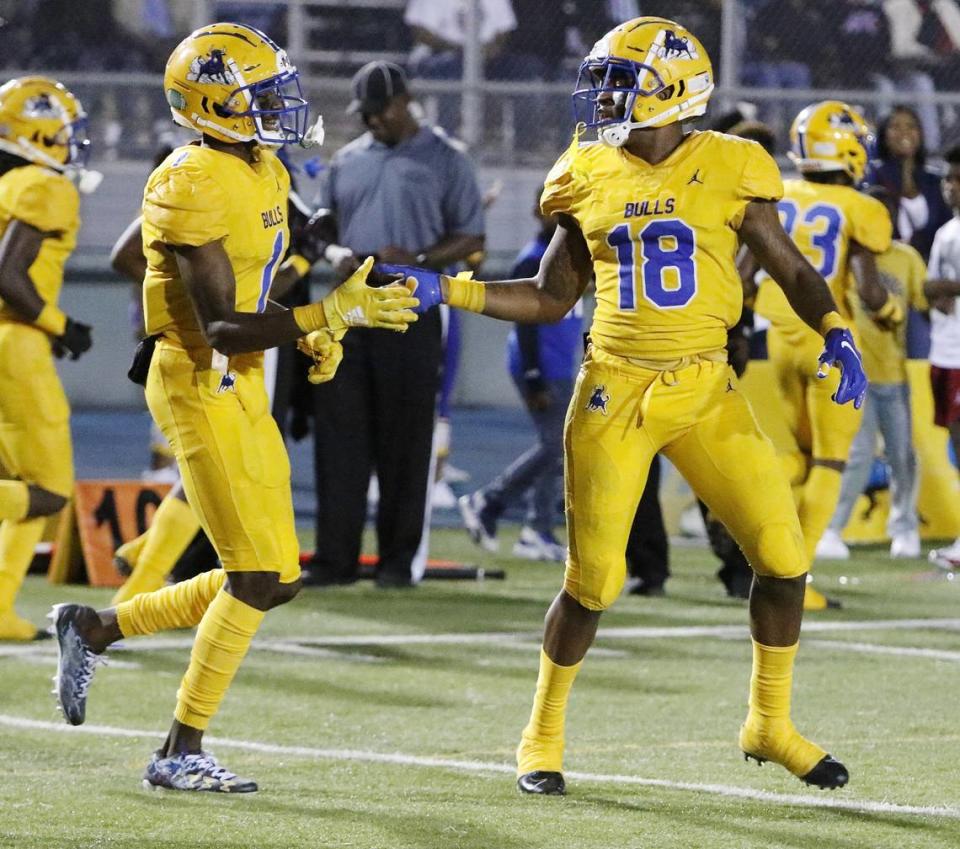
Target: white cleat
x,y
905,546
832,547
947,558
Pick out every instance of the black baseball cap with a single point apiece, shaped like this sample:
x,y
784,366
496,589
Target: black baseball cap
x,y
374,85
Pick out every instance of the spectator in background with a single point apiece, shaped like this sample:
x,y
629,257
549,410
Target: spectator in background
x,y
440,31
901,168
912,62
941,290
784,39
542,359
402,191
887,406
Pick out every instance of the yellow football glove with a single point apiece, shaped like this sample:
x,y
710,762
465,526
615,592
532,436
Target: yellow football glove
x,y
325,350
890,315
355,304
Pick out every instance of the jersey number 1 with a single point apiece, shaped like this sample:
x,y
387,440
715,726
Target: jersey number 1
x,y
664,243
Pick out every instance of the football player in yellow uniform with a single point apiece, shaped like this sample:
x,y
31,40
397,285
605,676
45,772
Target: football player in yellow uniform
x,y
42,134
840,231
214,232
656,215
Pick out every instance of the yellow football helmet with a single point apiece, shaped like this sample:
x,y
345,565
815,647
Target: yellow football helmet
x,y
830,136
233,83
648,72
42,122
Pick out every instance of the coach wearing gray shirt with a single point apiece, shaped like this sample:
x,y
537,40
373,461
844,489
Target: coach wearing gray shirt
x,y
406,193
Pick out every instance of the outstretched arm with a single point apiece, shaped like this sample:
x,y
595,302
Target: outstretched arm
x,y
806,290
208,277
564,273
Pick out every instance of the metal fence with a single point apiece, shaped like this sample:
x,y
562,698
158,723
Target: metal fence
x,y
498,73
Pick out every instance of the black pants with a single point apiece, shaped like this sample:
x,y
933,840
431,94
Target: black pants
x,y
376,414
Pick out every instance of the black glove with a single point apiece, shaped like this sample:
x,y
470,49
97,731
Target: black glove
x,y
76,340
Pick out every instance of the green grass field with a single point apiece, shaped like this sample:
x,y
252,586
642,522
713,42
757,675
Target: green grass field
x,y
388,719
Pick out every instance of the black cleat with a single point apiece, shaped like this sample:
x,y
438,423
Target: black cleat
x,y
829,774
541,783
76,662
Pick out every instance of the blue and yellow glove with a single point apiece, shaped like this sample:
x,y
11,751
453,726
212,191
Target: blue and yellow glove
x,y
425,285
839,349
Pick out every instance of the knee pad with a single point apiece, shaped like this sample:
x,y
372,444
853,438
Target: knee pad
x,y
600,588
779,552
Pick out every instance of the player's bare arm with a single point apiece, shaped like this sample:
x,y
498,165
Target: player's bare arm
x,y
863,264
805,289
747,268
127,257
208,277
564,274
18,251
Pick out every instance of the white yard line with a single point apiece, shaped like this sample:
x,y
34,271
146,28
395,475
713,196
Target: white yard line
x,y
879,648
521,640
725,790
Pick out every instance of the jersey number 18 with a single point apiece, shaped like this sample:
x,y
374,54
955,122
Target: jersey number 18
x,y
664,243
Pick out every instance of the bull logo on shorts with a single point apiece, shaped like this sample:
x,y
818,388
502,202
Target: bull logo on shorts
x,y
227,382
598,399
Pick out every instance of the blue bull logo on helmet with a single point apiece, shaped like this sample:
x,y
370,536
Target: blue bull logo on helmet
x,y
211,69
598,399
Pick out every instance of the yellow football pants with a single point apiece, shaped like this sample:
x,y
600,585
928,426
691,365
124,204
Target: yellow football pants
x,y
823,429
235,469
620,416
35,441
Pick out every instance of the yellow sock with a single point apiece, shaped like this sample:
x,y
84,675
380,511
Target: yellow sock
x,y
222,641
17,543
541,746
171,531
14,500
180,606
768,732
817,505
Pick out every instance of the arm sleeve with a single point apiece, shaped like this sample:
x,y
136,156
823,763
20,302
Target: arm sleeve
x,y
462,201
186,207
759,180
870,225
50,203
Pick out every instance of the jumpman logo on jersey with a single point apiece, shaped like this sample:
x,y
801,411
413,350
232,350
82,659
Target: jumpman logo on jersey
x,y
695,178
598,399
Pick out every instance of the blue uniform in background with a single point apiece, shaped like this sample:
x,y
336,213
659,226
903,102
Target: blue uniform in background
x,y
543,360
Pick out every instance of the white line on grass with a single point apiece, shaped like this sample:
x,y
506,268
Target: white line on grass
x,y
511,639
480,767
879,648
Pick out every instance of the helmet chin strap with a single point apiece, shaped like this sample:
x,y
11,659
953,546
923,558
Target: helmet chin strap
x,y
616,135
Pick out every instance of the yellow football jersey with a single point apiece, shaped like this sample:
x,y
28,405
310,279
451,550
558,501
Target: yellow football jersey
x,y
663,238
47,200
199,195
823,219
902,272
